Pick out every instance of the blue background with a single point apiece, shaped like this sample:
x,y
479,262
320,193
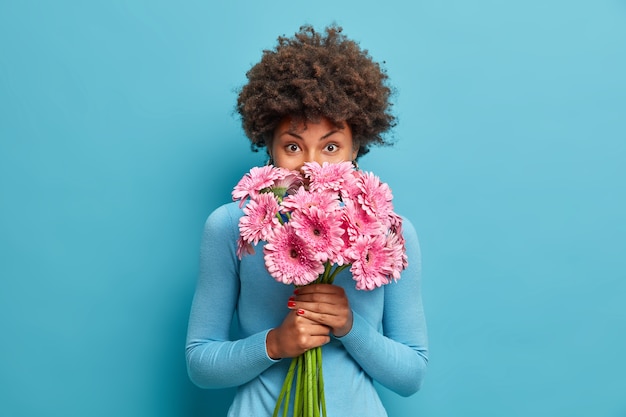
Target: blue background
x,y
118,138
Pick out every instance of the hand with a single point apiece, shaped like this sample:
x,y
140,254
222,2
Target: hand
x,y
294,336
325,304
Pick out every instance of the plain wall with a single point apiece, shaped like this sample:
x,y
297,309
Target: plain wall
x,y
118,138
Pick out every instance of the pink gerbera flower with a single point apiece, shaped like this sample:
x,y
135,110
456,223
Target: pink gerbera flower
x,y
359,222
395,223
244,247
320,230
370,268
259,178
303,199
396,229
375,197
342,257
260,217
350,188
288,183
396,254
289,259
327,176
333,215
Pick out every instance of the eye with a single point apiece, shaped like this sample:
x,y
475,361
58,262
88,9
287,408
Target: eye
x,y
331,147
292,147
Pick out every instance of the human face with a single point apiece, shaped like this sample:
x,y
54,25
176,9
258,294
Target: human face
x,y
293,145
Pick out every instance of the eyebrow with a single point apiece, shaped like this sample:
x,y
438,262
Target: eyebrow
x,y
292,133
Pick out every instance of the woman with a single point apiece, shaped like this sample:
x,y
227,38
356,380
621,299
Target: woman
x,y
315,97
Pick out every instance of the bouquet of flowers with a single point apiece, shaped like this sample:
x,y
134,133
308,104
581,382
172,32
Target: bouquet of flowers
x,y
316,223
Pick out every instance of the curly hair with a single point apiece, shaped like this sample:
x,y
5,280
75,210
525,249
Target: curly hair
x,y
312,76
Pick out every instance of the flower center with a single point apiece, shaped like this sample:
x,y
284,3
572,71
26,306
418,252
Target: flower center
x,y
293,253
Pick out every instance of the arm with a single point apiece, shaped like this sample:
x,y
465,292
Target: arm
x,y
396,358
213,360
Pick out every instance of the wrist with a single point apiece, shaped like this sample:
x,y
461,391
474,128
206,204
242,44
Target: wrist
x,y
271,345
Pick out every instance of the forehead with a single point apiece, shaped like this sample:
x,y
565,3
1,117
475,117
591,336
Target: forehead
x,y
298,125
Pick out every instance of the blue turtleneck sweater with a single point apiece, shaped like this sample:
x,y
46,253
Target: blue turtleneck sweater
x,y
387,342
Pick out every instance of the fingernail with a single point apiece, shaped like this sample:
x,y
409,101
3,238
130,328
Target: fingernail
x,y
295,291
300,312
291,303
292,298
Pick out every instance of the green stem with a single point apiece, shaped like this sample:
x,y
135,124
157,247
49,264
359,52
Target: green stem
x,y
337,270
297,403
309,382
286,389
314,383
288,396
324,277
320,380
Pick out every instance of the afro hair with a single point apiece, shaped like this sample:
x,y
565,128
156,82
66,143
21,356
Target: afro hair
x,y
316,75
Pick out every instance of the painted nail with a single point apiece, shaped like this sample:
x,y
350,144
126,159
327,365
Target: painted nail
x,y
300,312
291,303
295,291
292,298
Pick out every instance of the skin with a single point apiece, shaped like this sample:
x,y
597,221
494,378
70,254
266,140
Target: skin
x,y
292,146
316,310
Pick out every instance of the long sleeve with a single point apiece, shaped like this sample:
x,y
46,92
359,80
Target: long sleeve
x,y
397,357
387,342
213,360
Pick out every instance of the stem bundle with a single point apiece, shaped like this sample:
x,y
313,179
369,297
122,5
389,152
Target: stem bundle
x,y
309,400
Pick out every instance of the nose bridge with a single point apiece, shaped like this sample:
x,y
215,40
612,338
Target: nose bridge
x,y
312,155
317,157
311,149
